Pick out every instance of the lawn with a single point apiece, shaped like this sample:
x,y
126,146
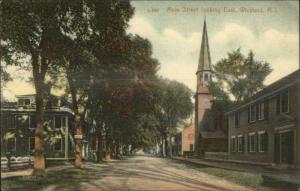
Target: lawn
x,y
63,179
251,180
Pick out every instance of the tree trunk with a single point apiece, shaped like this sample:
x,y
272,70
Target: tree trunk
x,y
118,151
39,160
39,71
99,151
78,131
107,153
166,145
78,162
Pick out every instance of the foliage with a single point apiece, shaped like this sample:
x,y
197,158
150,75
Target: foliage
x,y
238,76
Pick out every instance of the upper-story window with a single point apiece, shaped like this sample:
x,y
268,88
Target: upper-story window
x,y
252,113
261,111
283,102
23,101
236,119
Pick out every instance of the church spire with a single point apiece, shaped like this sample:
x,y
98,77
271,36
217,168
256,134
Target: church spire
x,y
204,58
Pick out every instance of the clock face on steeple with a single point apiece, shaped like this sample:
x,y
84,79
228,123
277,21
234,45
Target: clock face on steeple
x,y
206,104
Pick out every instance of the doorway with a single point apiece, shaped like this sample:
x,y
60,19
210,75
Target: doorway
x,y
284,148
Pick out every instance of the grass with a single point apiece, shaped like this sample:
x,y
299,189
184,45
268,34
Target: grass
x,y
64,179
251,180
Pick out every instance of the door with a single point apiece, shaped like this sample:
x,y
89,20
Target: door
x,y
287,147
277,148
284,148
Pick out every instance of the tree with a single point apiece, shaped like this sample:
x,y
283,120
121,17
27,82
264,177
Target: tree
x,y
172,106
36,30
238,76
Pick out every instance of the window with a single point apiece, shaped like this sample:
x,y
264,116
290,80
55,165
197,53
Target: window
x,y
190,136
205,77
240,143
206,104
251,142
252,113
22,121
11,144
23,102
282,105
58,144
262,141
236,119
233,144
11,122
284,102
31,143
261,111
48,121
191,147
58,122
32,122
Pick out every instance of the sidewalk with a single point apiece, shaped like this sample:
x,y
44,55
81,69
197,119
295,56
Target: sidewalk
x,y
284,175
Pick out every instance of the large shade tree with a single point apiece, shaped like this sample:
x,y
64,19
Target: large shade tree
x,y
239,77
34,30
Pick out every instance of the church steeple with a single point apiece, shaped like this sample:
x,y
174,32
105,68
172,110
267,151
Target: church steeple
x,y
204,58
204,71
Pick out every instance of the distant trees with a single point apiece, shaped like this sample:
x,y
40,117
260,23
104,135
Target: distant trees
x,y
172,106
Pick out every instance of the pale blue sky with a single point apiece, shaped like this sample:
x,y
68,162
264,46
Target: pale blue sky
x,y
176,36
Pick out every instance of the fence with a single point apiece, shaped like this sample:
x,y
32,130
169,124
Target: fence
x,y
13,163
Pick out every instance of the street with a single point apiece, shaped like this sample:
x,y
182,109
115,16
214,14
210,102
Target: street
x,y
146,173
133,173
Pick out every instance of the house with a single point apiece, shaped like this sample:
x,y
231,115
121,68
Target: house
x,y
18,127
266,128
184,141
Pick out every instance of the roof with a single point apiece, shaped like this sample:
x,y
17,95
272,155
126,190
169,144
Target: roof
x,y
278,85
204,58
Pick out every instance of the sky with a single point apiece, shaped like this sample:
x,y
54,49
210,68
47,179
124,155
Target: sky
x,y
175,28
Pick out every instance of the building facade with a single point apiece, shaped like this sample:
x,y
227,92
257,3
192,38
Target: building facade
x,y
266,128
206,136
18,128
184,141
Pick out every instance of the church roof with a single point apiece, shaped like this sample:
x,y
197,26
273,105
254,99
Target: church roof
x,y
204,58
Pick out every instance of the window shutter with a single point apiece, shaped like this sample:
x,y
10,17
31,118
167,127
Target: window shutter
x,y
243,144
278,104
266,109
248,143
256,112
257,145
248,114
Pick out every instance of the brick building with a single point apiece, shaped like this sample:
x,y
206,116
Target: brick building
x,y
184,141
266,128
